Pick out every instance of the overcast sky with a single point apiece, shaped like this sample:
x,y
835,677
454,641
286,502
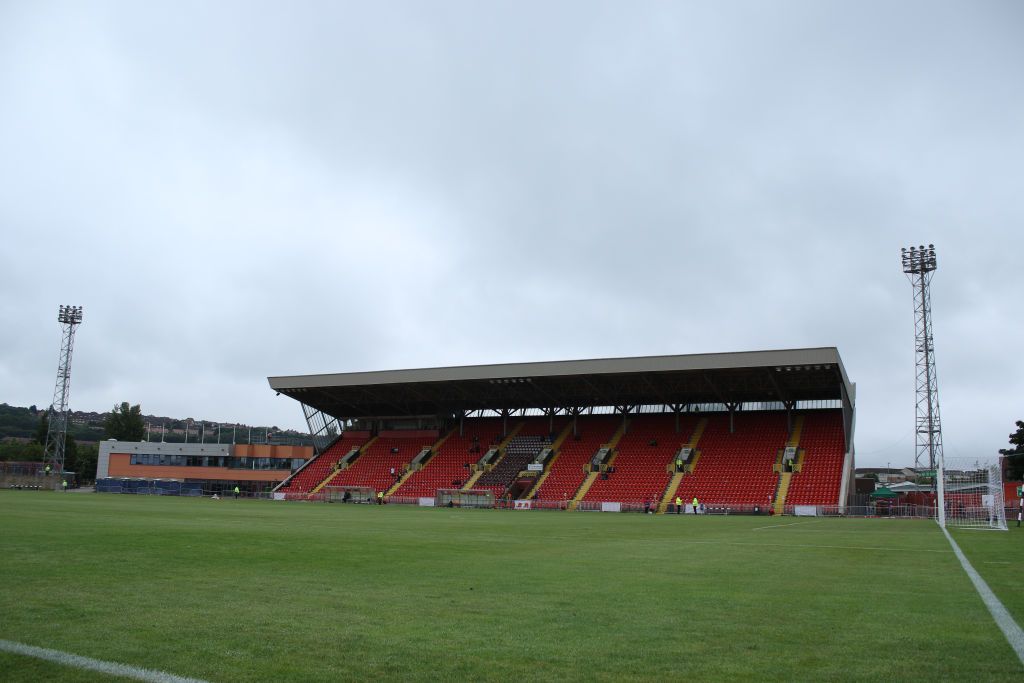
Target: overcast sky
x,y
237,190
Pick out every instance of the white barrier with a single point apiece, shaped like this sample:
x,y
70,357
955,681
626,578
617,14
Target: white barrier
x,y
427,502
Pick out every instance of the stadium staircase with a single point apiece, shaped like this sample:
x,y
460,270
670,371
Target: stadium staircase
x,y
567,474
449,466
312,475
786,477
501,455
819,475
737,470
391,450
555,446
589,480
334,472
642,466
519,451
668,498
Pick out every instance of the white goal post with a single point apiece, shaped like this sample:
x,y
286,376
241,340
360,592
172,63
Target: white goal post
x,y
970,494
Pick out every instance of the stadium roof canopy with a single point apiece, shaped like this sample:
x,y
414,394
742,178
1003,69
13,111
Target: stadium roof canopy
x,y
729,378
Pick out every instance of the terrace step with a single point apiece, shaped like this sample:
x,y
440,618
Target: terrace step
x,y
501,451
786,477
547,468
668,498
584,487
780,495
672,492
332,475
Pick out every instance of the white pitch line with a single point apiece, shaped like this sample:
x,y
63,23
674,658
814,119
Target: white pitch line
x,y
79,662
776,526
1004,620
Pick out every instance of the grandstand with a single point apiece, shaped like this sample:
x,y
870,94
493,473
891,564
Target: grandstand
x,y
758,431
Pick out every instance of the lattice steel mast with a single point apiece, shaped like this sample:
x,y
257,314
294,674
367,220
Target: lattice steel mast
x,y
919,263
53,455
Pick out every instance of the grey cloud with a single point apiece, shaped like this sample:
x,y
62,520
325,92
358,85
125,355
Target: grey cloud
x,y
244,189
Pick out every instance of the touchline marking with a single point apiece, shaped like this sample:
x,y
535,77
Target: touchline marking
x,y
776,526
1014,634
79,662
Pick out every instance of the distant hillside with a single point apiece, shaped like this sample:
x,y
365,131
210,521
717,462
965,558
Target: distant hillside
x,y
21,423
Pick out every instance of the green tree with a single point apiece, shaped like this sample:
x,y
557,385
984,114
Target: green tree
x,y
1015,455
124,423
16,450
44,426
80,459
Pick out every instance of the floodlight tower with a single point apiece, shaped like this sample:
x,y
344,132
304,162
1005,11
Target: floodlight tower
x,y
53,455
919,263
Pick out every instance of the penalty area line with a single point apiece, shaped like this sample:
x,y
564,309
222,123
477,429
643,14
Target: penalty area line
x,y
90,664
1004,620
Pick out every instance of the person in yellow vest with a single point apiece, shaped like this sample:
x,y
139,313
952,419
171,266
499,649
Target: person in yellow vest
x,y
380,497
679,505
236,491
47,470
679,465
695,503
64,486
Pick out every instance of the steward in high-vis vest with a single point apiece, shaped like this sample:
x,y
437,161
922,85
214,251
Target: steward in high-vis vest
x,y
236,491
679,505
679,465
695,505
380,497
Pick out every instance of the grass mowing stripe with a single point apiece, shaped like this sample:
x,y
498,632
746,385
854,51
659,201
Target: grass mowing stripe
x,y
79,662
776,526
886,549
1009,627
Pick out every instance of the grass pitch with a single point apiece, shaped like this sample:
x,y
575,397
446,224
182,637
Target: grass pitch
x,y
255,590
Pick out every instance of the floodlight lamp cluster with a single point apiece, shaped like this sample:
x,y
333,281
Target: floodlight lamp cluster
x,y
513,380
919,259
70,315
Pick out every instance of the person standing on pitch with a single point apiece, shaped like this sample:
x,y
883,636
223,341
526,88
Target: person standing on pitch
x,y
64,488
695,503
236,491
1020,510
679,505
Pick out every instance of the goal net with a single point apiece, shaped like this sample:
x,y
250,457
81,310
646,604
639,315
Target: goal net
x,y
970,494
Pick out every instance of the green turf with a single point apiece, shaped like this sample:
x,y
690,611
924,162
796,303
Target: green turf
x,y
257,590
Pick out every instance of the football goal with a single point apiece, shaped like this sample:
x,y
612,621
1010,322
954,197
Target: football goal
x,y
970,494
